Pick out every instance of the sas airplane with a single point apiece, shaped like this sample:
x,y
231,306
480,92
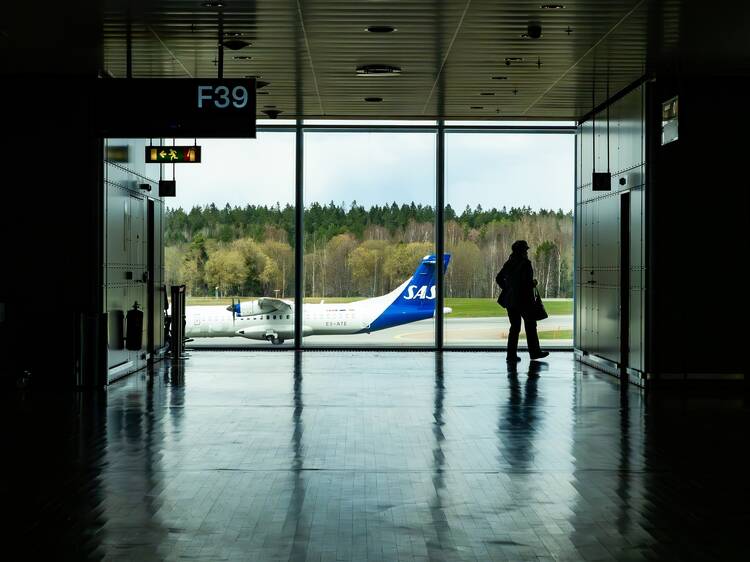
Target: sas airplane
x,y
272,319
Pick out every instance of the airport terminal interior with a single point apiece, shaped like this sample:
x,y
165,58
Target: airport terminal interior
x,y
263,263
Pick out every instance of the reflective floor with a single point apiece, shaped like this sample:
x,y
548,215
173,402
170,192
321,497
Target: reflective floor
x,y
372,456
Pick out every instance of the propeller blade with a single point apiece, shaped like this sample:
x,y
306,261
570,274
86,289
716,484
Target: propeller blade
x,y
234,311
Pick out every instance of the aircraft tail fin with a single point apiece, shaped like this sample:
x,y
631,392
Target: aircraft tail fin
x,y
415,298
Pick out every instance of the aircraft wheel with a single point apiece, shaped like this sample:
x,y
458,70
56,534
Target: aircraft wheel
x,y
277,341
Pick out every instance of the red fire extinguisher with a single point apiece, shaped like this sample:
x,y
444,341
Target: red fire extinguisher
x,y
134,328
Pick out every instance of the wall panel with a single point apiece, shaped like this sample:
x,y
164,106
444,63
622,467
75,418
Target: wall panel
x,y
126,250
598,231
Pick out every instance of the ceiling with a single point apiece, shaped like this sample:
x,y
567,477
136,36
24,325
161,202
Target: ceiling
x,y
448,51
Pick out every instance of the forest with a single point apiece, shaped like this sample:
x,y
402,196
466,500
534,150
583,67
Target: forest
x,y
351,251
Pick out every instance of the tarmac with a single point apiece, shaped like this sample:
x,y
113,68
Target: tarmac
x,y
480,332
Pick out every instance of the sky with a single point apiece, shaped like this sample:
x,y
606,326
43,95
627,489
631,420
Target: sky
x,y
494,170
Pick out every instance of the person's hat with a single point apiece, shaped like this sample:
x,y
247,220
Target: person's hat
x,y
519,246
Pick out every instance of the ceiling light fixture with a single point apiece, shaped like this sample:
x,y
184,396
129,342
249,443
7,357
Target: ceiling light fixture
x,y
380,29
378,70
509,60
235,44
234,34
499,77
486,93
242,57
476,107
213,4
374,99
552,7
533,30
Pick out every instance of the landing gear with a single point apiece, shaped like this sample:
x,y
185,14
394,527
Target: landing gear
x,y
275,340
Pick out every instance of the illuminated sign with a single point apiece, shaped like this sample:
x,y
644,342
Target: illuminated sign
x,y
173,154
166,108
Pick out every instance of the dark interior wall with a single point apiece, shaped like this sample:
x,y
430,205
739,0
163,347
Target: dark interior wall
x,y
50,215
599,247
51,220
699,230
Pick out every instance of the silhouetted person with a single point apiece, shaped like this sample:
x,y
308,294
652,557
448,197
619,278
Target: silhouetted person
x,y
516,280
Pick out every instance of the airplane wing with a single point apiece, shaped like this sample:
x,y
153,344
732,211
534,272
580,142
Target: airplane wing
x,y
270,304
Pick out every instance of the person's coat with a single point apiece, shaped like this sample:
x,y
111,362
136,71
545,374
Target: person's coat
x,y
516,281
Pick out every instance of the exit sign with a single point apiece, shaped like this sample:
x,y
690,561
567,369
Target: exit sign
x,y
173,154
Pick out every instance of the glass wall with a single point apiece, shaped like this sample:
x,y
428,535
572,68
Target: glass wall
x,y
369,234
229,237
369,225
502,187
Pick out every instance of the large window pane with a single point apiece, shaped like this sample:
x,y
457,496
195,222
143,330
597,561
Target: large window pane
x,y
501,187
229,237
369,234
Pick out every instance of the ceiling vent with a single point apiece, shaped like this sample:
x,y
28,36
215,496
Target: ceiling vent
x,y
378,70
235,44
380,29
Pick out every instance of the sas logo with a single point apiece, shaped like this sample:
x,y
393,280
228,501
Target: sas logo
x,y
414,292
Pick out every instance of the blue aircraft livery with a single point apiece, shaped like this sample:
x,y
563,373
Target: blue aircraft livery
x,y
272,319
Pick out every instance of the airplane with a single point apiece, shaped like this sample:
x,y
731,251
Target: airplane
x,y
272,319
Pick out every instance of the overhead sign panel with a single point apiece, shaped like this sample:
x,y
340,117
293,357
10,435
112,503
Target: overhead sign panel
x,y
175,108
173,154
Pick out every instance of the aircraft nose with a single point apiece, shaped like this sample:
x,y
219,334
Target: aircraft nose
x,y
229,308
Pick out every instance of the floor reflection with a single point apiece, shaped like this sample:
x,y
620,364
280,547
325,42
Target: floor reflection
x,y
373,456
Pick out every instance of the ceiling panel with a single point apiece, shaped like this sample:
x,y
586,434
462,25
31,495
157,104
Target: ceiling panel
x,y
448,50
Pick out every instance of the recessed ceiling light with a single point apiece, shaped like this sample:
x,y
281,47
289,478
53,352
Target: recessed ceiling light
x,y
499,77
235,44
374,99
242,57
476,107
213,4
486,93
380,29
552,6
378,70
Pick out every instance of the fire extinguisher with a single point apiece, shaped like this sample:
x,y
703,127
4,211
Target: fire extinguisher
x,y
134,328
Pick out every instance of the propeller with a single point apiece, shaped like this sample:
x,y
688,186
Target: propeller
x,y
234,312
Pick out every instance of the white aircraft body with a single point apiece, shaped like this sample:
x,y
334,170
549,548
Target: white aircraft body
x,y
272,319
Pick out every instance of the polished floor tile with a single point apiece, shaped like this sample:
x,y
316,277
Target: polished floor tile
x,y
372,456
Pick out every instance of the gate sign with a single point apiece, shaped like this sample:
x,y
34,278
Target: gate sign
x,y
175,108
173,154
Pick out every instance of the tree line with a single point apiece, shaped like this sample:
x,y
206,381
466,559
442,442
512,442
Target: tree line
x,y
353,251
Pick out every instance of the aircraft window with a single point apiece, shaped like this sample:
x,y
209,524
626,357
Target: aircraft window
x,y
268,316
274,317
287,317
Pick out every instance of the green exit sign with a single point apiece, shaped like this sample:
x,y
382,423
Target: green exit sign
x,y
173,154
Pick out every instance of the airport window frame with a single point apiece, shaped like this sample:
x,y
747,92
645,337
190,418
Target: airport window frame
x,y
441,129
